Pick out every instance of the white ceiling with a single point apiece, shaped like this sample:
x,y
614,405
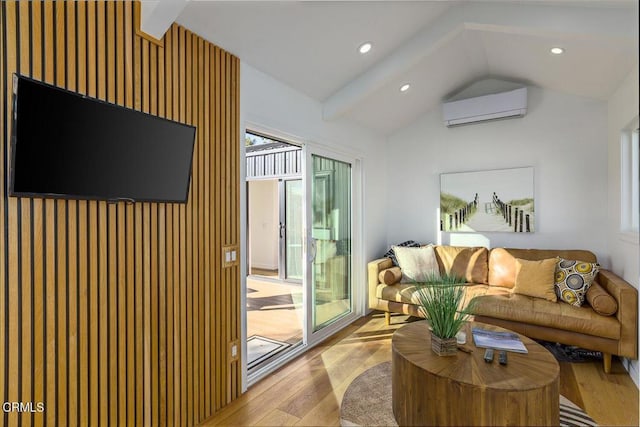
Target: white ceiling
x,y
437,46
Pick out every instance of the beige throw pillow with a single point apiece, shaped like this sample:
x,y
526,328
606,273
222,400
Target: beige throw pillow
x,y
535,278
417,264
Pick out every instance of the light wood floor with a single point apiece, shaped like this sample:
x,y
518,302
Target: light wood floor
x,y
308,391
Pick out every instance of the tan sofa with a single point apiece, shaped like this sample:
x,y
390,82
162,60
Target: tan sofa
x,y
491,278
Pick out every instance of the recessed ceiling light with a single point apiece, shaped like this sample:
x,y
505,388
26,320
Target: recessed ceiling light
x,y
365,47
557,50
405,87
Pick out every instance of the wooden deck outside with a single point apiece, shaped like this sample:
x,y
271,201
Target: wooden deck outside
x,y
274,309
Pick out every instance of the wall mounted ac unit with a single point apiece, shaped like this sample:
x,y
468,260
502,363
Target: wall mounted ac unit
x,y
487,107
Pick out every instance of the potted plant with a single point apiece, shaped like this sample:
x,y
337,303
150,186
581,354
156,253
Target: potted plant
x,y
440,300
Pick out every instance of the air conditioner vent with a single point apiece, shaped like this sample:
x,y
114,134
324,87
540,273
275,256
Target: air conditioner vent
x,y
502,105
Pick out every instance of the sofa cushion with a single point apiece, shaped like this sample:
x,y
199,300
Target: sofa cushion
x,y
601,301
391,254
402,292
390,276
407,293
573,279
537,311
417,264
470,263
502,261
535,278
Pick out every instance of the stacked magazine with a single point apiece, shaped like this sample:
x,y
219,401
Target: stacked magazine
x,y
508,341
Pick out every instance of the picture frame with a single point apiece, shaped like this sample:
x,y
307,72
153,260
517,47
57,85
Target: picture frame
x,y
499,200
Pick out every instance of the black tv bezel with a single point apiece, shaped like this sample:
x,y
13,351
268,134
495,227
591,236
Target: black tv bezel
x,y
14,136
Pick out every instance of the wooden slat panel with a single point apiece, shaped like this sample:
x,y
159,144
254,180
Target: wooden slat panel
x,y
205,129
83,324
122,288
132,378
168,259
217,232
24,246
61,236
72,241
123,314
189,240
114,402
39,284
4,310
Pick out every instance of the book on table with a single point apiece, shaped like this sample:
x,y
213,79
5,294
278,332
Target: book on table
x,y
508,341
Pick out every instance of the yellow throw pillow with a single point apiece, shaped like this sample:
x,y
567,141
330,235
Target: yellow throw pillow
x,y
535,278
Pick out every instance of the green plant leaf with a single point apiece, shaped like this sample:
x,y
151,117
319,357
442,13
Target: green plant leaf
x,y
440,300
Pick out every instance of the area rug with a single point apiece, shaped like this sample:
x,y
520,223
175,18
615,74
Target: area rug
x,y
261,348
367,402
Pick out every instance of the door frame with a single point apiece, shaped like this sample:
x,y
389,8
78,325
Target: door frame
x,y
358,269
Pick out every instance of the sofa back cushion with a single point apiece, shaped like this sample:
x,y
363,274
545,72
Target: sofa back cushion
x,y
502,261
461,261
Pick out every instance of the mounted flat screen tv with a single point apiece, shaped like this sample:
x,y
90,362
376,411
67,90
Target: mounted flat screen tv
x,y
66,145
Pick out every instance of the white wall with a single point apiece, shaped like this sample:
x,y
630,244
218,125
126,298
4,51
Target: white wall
x,y
276,107
264,221
624,248
562,137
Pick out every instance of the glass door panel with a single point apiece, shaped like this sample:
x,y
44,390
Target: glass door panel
x,y
293,229
330,240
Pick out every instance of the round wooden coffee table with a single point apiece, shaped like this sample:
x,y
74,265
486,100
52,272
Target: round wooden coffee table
x,y
428,389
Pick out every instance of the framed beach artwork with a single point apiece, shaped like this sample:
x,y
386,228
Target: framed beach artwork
x,y
482,201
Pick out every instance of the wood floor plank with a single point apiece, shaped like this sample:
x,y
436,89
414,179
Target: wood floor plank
x,y
327,411
610,399
278,418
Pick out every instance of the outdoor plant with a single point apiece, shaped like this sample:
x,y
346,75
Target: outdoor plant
x,y
440,299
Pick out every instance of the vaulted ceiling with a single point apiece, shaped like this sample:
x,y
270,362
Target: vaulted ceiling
x,y
438,47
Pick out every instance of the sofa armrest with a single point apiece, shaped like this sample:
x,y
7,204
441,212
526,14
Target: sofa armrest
x,y
373,270
627,314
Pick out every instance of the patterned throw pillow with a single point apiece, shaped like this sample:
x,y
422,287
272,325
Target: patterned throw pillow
x,y
573,279
392,255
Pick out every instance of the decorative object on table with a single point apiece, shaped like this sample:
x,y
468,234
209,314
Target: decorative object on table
x,y
495,200
368,401
440,299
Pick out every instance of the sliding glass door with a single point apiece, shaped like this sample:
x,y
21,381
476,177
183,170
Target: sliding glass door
x,y
330,241
300,239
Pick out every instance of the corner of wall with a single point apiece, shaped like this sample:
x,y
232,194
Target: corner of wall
x,y
632,368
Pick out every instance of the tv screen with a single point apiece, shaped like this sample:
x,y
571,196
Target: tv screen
x,y
66,145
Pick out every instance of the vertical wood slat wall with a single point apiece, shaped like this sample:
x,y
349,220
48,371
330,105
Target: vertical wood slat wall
x,y
120,314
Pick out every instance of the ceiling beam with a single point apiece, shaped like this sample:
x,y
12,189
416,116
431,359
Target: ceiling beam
x,y
156,16
543,20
